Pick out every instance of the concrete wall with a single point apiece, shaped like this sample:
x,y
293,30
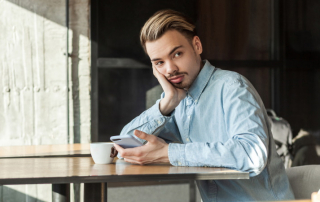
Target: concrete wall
x,y
34,92
33,97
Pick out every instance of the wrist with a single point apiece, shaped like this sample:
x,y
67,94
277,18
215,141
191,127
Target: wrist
x,y
165,157
166,107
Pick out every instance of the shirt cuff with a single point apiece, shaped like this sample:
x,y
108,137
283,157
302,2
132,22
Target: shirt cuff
x,y
176,153
156,118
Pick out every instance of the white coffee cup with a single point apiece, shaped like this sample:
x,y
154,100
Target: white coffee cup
x,y
100,152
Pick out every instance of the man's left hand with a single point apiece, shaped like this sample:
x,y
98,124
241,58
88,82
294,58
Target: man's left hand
x,y
155,151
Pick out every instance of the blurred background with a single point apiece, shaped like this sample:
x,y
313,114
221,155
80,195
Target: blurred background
x,y
74,72
275,44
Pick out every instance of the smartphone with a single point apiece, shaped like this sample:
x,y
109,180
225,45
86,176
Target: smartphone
x,y
126,141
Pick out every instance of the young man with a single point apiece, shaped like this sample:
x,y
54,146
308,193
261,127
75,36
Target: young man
x,y
209,117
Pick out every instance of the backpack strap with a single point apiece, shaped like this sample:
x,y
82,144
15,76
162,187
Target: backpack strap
x,y
272,113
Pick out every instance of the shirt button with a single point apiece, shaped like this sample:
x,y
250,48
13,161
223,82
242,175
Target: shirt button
x,y
159,122
189,117
187,139
179,163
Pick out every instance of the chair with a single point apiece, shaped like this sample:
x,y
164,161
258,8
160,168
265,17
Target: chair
x,y
304,180
153,95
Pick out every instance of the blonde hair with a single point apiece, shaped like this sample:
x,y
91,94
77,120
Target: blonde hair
x,y
165,20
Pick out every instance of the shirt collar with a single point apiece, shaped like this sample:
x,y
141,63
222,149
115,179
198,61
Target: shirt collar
x,y
201,81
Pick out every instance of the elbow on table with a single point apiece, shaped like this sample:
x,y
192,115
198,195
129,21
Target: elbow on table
x,y
256,170
254,154
258,163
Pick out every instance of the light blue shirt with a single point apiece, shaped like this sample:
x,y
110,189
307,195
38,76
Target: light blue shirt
x,y
222,122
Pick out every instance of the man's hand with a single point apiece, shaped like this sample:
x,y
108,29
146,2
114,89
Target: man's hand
x,y
173,95
155,151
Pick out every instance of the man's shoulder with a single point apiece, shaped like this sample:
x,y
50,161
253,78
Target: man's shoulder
x,y
227,77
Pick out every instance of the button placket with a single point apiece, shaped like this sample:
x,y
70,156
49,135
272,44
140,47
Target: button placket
x,y
189,108
185,123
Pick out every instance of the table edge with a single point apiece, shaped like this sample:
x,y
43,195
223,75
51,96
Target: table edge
x,y
125,178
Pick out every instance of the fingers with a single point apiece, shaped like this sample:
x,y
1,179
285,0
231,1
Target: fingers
x,y
118,148
171,92
156,73
132,153
165,84
114,152
145,136
132,161
137,162
154,151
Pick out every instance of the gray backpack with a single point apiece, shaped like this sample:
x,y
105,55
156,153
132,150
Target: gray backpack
x,y
282,136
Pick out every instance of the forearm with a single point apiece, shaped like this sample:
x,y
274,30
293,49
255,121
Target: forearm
x,y
150,121
166,106
244,152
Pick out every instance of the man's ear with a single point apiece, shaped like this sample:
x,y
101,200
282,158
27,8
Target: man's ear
x,y
197,44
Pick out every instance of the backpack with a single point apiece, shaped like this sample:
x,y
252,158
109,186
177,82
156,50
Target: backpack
x,y
282,136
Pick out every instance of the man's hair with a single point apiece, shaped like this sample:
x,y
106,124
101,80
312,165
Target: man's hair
x,y
165,20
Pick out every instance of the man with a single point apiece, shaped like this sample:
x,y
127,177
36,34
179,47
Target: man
x,y
209,117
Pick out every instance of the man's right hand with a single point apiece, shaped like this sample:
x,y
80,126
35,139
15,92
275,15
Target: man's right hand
x,y
173,95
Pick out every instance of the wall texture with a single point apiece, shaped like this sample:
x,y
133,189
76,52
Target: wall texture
x,y
33,97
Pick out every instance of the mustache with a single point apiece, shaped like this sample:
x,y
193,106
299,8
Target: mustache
x,y
176,74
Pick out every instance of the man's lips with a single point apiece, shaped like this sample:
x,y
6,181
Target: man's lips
x,y
176,79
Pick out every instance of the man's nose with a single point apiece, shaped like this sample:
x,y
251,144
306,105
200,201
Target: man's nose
x,y
171,68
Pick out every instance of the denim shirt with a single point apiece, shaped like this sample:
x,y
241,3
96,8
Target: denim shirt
x,y
222,122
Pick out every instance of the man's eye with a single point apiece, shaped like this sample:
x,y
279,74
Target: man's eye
x,y
159,63
177,54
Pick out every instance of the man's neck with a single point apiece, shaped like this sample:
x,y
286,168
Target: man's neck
x,y
201,65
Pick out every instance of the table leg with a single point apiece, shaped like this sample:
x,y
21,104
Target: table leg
x,y
192,191
95,192
76,192
60,192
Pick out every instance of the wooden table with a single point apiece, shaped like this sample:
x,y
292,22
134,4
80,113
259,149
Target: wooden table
x,y
60,170
60,192
83,170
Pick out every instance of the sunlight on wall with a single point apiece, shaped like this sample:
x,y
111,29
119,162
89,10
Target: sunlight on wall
x,y
33,79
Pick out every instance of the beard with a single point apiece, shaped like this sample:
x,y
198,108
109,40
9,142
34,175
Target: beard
x,y
185,84
182,85
187,81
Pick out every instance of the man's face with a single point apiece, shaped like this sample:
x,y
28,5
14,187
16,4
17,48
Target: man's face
x,y
176,58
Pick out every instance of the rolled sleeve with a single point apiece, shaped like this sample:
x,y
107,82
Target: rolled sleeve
x,y
150,121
